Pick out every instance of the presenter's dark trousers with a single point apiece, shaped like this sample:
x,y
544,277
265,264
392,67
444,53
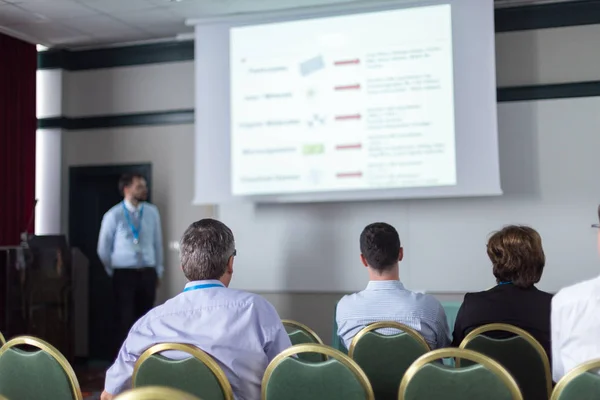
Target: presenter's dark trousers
x,y
135,292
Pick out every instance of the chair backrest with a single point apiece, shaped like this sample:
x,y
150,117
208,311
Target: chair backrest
x,y
155,393
198,374
522,356
581,383
302,334
292,378
385,358
486,379
36,375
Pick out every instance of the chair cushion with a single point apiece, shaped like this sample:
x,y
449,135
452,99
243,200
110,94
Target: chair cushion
x,y
584,387
437,381
189,375
521,360
295,379
33,375
300,337
385,359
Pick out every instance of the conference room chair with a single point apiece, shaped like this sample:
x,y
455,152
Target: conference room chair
x,y
155,393
484,379
582,383
292,378
197,373
522,356
385,358
302,334
41,374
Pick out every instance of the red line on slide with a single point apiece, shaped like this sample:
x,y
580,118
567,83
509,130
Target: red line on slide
x,y
347,62
349,174
349,146
348,87
345,117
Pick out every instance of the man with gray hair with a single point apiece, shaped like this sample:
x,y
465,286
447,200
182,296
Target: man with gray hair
x,y
240,330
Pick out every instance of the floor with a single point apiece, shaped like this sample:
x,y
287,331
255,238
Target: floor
x,y
91,380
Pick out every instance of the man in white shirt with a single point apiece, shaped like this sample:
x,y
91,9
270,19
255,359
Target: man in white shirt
x,y
575,324
241,331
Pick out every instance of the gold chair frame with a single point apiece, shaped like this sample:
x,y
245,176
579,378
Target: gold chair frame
x,y
321,349
193,351
2,340
387,324
155,392
519,332
471,355
53,352
302,327
574,373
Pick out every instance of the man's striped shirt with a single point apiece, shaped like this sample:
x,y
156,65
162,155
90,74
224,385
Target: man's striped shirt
x,y
390,301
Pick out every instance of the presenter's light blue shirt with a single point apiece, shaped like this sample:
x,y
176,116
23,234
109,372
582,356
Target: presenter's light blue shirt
x,y
391,301
240,330
115,242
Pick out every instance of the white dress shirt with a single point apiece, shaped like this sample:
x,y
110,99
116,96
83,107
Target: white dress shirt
x,y
575,325
391,301
240,330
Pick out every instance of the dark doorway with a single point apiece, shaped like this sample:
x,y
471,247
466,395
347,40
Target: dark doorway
x,y
92,192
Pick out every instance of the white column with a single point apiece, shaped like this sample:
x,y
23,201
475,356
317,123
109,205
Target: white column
x,y
48,160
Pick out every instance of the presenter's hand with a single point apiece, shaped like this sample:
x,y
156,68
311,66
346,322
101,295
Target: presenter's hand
x,y
106,396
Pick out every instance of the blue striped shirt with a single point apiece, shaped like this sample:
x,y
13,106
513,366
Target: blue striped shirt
x,y
115,242
390,301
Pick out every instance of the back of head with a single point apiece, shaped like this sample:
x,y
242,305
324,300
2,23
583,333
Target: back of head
x,y
517,255
380,245
205,249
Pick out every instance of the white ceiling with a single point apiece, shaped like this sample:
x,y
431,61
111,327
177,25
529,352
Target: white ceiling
x,y
94,23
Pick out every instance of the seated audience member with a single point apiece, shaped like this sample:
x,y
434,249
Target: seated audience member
x,y
518,260
385,297
576,324
240,330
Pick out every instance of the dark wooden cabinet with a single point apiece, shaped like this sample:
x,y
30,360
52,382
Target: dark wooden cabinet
x,y
37,292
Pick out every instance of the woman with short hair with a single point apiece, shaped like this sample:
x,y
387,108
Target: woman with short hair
x,y
518,260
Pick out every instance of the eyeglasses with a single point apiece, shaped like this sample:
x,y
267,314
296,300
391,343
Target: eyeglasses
x,y
234,253
595,225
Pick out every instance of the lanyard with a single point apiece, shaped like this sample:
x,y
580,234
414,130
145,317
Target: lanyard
x,y
204,286
504,283
134,230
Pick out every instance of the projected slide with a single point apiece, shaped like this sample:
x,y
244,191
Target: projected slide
x,y
363,101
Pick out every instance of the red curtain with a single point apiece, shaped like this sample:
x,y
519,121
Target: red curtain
x,y
18,64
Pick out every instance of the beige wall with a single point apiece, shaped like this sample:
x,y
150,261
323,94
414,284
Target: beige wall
x,y
523,58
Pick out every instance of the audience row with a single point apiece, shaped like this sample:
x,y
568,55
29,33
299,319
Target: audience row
x,y
243,332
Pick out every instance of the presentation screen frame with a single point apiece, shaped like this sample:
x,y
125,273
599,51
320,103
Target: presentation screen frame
x,y
477,168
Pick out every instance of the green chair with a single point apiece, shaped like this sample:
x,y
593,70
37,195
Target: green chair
x,y
522,356
582,383
291,378
486,379
36,375
155,393
302,334
385,358
199,374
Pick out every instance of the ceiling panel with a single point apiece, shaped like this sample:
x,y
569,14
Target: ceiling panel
x,y
77,23
115,7
58,8
11,15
